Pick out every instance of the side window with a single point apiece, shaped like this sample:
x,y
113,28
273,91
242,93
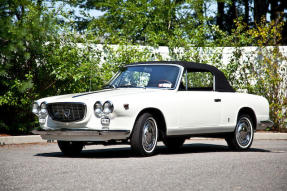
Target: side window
x,y
197,81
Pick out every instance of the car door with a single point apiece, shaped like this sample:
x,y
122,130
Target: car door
x,y
199,107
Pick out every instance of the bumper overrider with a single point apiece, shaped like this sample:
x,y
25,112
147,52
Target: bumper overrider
x,y
262,125
82,135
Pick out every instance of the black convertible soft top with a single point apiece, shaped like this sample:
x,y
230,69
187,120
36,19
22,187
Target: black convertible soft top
x,y
221,83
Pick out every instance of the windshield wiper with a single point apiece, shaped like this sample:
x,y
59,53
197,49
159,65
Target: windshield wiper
x,y
108,86
130,86
127,86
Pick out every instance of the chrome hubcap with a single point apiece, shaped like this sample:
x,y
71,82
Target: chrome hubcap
x,y
149,138
244,132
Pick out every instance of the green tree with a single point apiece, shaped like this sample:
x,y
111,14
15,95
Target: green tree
x,y
25,27
39,57
146,22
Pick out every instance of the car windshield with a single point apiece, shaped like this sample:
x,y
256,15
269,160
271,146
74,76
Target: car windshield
x,y
146,76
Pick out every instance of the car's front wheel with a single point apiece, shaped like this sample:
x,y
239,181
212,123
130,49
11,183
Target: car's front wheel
x,y
243,135
71,148
145,135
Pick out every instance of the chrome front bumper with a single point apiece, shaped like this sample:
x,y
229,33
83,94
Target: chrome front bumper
x,y
262,125
83,135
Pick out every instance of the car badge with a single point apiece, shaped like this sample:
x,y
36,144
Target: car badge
x,y
126,106
67,113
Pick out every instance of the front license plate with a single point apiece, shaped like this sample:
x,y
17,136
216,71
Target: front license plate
x,y
42,120
105,121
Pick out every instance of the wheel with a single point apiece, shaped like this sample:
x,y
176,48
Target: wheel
x,y
243,135
173,143
71,148
145,135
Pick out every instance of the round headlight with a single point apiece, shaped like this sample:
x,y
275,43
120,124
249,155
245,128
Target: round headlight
x,y
35,108
108,107
44,108
98,108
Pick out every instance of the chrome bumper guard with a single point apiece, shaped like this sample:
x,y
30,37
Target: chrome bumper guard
x,y
82,135
262,125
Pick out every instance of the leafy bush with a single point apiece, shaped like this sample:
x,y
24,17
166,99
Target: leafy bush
x,y
263,70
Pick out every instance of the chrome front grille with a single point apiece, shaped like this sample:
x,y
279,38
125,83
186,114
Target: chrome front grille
x,y
67,112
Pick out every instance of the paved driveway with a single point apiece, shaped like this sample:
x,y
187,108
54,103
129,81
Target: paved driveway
x,y
199,165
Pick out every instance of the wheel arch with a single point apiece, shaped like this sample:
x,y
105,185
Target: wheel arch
x,y
249,111
159,117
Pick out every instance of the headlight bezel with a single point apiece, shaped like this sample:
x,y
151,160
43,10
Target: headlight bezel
x,y
98,108
43,109
35,108
101,110
108,107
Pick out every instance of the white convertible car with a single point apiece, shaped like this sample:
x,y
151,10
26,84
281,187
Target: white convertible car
x,y
150,102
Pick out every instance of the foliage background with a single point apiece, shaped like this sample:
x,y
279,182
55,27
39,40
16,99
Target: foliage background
x,y
47,49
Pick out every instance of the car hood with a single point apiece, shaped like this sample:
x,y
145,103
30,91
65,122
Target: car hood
x,y
101,95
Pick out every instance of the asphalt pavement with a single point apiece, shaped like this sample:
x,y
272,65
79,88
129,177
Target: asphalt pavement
x,y
199,165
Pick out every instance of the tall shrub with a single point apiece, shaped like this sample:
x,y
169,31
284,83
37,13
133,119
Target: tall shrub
x,y
262,69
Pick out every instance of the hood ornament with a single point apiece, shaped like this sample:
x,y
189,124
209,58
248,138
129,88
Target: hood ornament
x,y
67,113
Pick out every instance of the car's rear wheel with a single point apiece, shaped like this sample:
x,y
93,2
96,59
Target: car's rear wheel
x,y
71,148
173,143
145,135
242,137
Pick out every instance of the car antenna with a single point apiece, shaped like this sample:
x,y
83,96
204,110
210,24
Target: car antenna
x,y
90,81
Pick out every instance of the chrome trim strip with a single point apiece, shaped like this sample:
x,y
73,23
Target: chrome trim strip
x,y
180,72
93,92
200,130
83,135
213,87
186,81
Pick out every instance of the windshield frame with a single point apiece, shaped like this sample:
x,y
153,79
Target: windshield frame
x,y
132,65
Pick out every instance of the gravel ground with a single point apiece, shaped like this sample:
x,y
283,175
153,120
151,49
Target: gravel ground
x,y
199,165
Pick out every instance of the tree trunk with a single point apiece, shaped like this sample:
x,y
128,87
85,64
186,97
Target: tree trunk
x,y
233,9
246,11
260,10
220,14
274,9
231,15
283,5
